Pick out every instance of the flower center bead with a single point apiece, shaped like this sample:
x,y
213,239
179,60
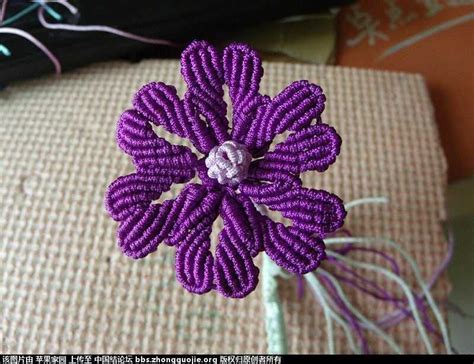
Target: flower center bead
x,y
228,163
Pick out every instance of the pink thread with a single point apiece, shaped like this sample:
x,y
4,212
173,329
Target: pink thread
x,y
2,11
80,28
36,42
100,28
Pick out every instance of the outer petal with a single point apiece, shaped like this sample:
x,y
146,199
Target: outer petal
x,y
200,204
292,249
160,103
194,261
294,108
235,275
133,192
152,154
243,71
312,148
242,222
241,239
312,211
141,232
201,67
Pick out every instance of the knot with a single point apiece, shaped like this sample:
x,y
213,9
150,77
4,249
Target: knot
x,y
228,163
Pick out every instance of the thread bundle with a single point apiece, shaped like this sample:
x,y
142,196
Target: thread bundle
x,y
342,270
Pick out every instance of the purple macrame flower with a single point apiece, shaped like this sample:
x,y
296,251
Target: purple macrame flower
x,y
237,171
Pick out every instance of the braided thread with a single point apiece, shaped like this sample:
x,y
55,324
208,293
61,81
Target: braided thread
x,y
241,239
243,71
194,261
201,205
232,272
152,154
292,109
159,165
201,67
133,192
235,274
243,222
311,211
160,103
296,251
312,148
142,232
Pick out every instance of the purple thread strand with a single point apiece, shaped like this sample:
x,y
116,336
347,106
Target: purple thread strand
x,y
350,317
300,287
369,287
350,247
398,316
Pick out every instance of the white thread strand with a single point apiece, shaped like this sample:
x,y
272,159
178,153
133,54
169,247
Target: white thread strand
x,y
369,324
416,271
409,259
363,201
401,283
324,299
101,28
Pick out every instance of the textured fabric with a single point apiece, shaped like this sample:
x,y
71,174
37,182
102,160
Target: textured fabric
x,y
67,288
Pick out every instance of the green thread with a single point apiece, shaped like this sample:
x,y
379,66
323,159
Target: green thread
x,y
274,320
20,14
49,10
326,311
5,51
402,285
410,260
316,286
416,271
29,9
368,323
363,201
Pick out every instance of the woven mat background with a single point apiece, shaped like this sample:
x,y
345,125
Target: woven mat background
x,y
67,288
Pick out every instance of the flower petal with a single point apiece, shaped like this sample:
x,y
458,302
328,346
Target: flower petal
x,y
141,232
243,71
242,222
201,67
160,103
152,154
200,204
191,235
235,275
294,108
312,148
312,211
241,239
194,262
292,249
133,192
